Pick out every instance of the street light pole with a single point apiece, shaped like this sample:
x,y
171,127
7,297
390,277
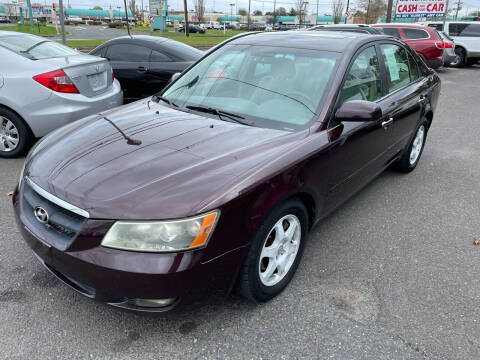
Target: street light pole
x,y
126,16
249,3
316,18
62,20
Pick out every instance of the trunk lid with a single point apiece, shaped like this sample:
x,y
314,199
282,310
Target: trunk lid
x,y
90,74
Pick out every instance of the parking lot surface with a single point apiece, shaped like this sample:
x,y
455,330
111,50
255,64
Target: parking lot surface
x,y
392,274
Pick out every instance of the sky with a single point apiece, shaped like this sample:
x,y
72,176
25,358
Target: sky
x,y
324,6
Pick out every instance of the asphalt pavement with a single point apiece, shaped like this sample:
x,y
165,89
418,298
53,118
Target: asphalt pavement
x,y
392,274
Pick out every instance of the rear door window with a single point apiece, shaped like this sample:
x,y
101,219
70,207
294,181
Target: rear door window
x,y
391,31
397,65
414,34
128,52
463,29
159,57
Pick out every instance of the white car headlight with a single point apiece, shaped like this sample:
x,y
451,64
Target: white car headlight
x,y
162,236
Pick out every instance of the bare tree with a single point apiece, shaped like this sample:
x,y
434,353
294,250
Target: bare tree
x,y
371,10
337,10
132,7
199,9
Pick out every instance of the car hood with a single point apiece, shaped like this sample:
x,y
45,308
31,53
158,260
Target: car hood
x,y
148,161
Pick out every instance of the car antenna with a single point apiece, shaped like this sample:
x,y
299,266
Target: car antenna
x,y
129,140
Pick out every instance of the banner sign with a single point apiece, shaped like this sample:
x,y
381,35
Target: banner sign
x,y
157,6
420,8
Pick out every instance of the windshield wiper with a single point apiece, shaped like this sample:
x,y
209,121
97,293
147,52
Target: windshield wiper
x,y
220,113
164,99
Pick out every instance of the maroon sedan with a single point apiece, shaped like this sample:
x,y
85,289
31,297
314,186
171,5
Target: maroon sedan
x,y
214,184
423,39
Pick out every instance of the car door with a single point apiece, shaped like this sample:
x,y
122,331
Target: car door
x,y
406,93
359,150
162,67
130,66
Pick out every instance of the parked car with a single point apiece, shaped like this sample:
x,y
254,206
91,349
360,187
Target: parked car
x,y
192,28
423,39
144,64
214,184
466,35
348,27
44,85
450,57
4,19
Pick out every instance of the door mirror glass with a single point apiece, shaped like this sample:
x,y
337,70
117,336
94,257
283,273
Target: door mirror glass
x,y
359,110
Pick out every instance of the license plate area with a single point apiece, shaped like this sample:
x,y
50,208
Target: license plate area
x,y
98,81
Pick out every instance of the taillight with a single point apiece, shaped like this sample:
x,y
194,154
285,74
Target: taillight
x,y
447,45
57,81
439,44
113,77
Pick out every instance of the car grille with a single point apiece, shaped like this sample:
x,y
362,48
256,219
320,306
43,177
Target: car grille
x,y
62,225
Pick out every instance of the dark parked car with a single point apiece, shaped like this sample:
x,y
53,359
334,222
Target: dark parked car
x,y
423,39
366,29
215,184
193,28
144,64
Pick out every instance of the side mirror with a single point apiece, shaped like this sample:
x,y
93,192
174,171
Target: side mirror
x,y
175,77
359,110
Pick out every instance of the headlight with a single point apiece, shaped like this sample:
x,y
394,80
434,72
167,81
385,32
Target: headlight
x,y
162,236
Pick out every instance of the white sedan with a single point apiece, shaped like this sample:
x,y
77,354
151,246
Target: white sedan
x,y
44,85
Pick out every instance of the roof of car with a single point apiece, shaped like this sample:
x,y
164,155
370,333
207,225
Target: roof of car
x,y
156,39
400,25
335,41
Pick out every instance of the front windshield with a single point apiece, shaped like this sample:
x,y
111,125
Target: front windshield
x,y
274,87
35,48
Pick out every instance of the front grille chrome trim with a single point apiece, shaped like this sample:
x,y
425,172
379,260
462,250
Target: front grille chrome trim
x,y
56,200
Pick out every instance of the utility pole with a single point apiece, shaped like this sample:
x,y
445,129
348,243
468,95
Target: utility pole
x,y
389,11
458,8
62,20
445,17
316,18
368,10
126,16
274,9
346,11
248,26
185,14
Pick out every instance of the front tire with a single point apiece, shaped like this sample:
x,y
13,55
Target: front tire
x,y
275,252
15,137
409,160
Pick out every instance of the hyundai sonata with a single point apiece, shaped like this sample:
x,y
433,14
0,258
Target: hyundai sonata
x,y
214,184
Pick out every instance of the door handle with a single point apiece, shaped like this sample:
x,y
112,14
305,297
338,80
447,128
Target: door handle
x,y
142,68
387,123
422,98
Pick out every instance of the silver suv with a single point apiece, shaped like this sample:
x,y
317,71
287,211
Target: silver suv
x,y
467,39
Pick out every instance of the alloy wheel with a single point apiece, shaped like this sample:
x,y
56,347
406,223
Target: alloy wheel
x,y
279,250
9,136
417,145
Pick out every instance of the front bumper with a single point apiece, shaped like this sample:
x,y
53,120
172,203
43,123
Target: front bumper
x,y
118,277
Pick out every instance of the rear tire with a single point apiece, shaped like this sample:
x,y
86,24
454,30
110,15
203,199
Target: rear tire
x,y
409,160
462,56
274,254
15,137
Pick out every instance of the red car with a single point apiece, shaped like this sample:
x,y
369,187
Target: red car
x,y
423,39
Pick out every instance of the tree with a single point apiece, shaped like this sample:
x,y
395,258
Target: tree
x,y
292,12
337,11
242,12
132,7
199,9
281,11
257,13
372,9
97,8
